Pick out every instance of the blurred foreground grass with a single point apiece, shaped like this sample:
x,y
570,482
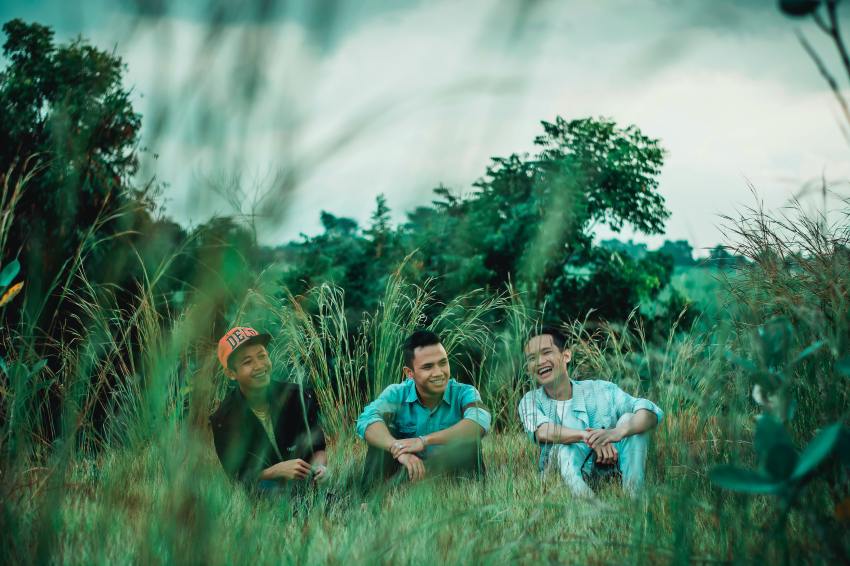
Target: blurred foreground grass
x,y
148,508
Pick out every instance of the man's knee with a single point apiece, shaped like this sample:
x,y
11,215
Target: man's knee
x,y
568,456
639,439
459,458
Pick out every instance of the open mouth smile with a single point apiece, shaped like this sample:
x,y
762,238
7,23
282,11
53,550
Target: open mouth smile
x,y
543,372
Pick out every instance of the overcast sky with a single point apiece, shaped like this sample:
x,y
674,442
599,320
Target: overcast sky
x,y
324,109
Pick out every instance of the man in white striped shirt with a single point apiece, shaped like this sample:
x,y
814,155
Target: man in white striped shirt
x,y
569,419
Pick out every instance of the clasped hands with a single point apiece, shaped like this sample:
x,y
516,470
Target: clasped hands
x,y
601,441
404,450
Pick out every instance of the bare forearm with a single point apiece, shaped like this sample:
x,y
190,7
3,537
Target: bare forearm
x,y
378,435
268,474
642,421
464,430
550,433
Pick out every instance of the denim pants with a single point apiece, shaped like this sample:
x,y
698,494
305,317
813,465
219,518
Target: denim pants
x,y
568,458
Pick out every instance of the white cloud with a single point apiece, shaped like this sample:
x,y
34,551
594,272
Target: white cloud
x,y
412,98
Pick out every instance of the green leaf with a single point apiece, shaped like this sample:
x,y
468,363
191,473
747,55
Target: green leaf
x,y
9,273
842,366
780,461
817,451
808,352
842,447
747,481
3,366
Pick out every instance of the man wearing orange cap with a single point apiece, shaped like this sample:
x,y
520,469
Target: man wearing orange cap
x,y
266,433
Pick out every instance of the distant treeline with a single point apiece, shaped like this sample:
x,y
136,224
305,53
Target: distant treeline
x,y
680,251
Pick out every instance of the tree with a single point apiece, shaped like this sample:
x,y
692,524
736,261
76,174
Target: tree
x,y
65,106
680,250
631,248
721,258
534,215
379,232
611,285
529,222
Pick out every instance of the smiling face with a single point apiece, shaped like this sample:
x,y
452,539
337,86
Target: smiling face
x,y
544,361
250,366
430,370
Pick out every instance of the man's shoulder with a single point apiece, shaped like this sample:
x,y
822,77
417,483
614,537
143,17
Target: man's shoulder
x,y
455,384
461,390
593,384
398,388
226,407
287,392
533,395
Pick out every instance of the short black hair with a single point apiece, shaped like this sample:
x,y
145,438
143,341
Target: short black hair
x,y
418,339
558,338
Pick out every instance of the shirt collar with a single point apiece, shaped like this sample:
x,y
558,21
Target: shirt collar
x,y
579,404
413,397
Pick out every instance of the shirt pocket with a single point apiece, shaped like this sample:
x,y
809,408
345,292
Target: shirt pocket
x,y
406,430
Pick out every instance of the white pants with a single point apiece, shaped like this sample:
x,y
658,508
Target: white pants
x,y
568,458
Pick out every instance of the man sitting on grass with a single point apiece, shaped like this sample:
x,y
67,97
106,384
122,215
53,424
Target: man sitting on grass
x,y
266,433
572,418
428,425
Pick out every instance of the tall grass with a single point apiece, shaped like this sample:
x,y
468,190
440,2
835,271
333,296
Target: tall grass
x,y
146,486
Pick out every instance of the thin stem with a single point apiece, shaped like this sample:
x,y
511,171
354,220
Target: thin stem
x,y
835,34
833,84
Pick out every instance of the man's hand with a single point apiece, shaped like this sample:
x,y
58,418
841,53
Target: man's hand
x,y
602,440
320,473
415,467
296,469
598,437
606,454
407,446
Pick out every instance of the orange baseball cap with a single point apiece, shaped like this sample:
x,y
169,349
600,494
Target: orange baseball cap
x,y
237,337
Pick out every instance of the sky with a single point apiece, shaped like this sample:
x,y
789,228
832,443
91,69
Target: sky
x,y
282,110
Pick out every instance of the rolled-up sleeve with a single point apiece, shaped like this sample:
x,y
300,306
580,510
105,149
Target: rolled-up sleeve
x,y
530,414
473,408
625,403
386,403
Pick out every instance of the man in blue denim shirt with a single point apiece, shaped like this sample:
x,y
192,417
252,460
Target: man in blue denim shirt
x,y
429,424
572,418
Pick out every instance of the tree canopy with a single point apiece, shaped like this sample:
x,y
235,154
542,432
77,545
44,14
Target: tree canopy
x,y
529,222
66,118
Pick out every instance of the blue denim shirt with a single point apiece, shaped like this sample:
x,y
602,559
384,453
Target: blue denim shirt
x,y
398,406
596,404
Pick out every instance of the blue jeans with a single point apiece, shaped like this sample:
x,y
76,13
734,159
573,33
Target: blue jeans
x,y
568,458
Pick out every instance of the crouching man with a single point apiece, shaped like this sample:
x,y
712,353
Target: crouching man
x,y
267,433
428,425
570,419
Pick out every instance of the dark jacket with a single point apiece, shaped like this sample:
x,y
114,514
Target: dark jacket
x,y
241,442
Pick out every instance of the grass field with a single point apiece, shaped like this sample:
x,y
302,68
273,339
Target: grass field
x,y
147,508
148,489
